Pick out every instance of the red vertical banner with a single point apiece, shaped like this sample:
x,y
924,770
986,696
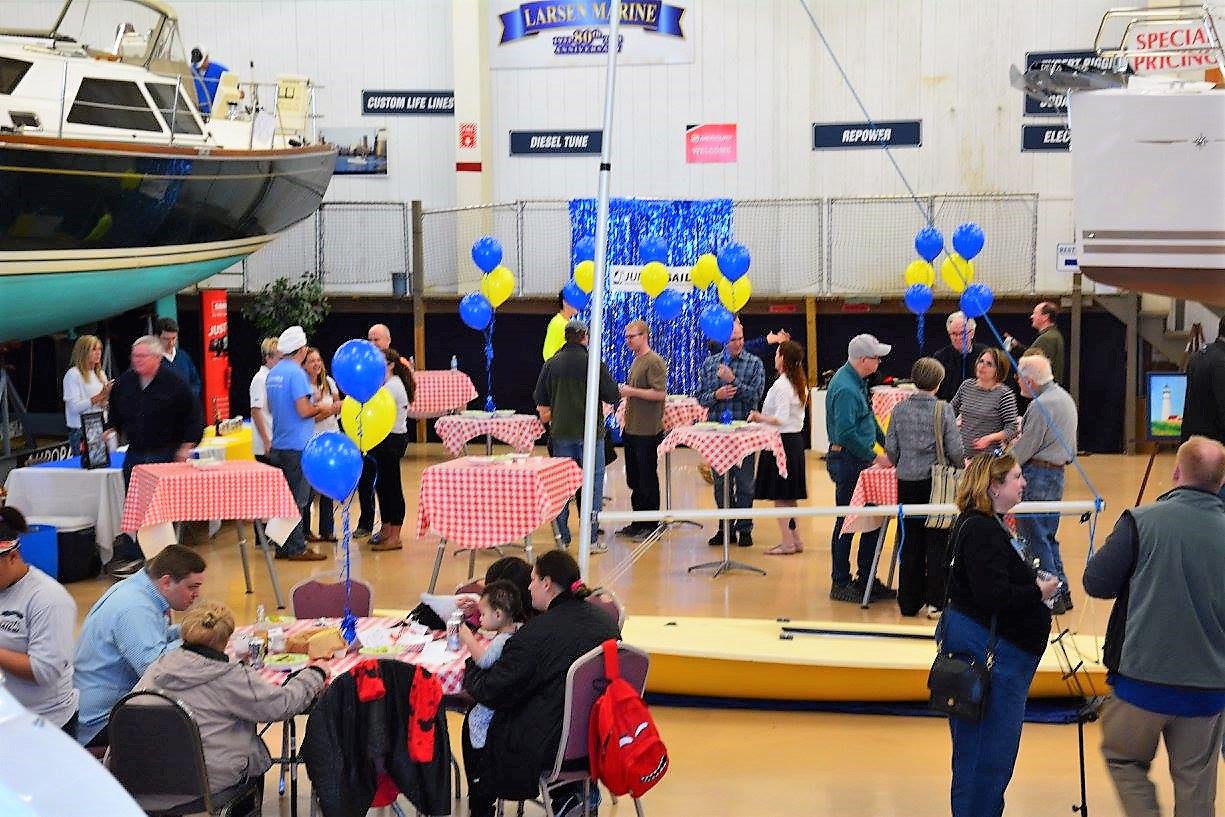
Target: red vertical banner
x,y
216,364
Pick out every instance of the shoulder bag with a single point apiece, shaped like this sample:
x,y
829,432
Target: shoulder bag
x,y
944,476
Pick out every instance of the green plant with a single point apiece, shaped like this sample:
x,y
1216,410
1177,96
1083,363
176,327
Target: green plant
x,y
282,304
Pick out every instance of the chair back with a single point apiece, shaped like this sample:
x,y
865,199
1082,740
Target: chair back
x,y
585,683
292,105
227,90
475,586
607,601
322,597
156,753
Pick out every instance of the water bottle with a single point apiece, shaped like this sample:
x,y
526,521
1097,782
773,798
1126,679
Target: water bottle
x,y
454,362
453,624
261,615
726,417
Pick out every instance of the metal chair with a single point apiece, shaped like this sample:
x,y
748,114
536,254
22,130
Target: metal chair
x,y
607,601
314,598
156,754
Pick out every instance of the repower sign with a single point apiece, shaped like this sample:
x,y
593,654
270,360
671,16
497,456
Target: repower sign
x,y
850,135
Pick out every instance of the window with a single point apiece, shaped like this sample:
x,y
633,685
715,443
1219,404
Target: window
x,y
180,115
11,72
112,103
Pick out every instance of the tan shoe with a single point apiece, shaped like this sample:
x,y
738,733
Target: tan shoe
x,y
389,539
307,555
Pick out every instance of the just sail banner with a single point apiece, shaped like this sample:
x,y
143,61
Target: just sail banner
x,y
559,33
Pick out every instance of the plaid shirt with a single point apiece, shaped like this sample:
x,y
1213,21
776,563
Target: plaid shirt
x,y
749,380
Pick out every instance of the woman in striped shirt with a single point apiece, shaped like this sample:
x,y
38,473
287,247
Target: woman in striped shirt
x,y
986,407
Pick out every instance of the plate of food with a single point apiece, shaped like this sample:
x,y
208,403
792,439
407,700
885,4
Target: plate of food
x,y
708,425
672,398
476,413
505,412
280,619
286,661
384,651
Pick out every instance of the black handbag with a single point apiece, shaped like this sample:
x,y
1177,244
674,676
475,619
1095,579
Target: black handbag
x,y
959,683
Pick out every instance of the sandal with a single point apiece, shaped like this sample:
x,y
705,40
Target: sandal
x,y
781,550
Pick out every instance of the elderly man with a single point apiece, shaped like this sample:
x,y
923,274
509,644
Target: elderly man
x,y
1049,340
853,434
733,381
1165,642
293,424
1047,444
127,629
176,359
644,393
560,395
960,356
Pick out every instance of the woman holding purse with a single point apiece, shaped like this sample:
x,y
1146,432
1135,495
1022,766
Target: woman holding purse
x,y
922,433
997,606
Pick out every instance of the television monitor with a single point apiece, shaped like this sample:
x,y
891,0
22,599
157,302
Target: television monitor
x,y
1167,392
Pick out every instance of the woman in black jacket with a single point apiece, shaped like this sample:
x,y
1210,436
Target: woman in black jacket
x,y
992,586
526,687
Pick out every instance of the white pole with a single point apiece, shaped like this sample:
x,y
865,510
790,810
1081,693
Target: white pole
x,y
591,412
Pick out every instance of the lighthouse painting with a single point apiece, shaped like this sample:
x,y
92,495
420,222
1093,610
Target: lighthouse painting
x,y
1167,392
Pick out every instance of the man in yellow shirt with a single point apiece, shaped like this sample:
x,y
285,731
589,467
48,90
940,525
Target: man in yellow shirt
x,y
555,336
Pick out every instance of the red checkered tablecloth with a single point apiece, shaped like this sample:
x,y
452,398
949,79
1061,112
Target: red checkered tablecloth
x,y
884,400
449,671
875,486
723,449
479,504
164,493
677,413
440,392
519,431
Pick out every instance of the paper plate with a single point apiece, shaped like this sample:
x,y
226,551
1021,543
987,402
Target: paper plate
x,y
708,425
672,398
505,412
381,652
286,661
414,641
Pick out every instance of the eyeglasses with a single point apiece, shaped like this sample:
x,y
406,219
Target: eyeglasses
x,y
629,335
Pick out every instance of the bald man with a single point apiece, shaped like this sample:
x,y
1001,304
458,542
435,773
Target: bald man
x,y
380,336
1164,564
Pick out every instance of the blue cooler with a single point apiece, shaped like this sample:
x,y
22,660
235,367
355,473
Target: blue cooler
x,y
40,547
74,547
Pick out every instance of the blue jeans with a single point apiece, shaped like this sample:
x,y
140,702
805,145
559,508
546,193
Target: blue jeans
x,y
844,470
741,495
290,463
985,752
574,450
1038,530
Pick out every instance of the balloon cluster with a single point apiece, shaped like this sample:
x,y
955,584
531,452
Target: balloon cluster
x,y
497,284
728,272
957,272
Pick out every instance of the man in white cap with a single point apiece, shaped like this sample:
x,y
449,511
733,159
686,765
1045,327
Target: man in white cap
x,y
853,432
293,423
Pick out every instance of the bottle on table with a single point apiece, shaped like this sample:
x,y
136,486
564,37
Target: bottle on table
x,y
453,624
454,363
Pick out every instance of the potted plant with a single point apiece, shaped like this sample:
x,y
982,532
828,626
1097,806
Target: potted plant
x,y
283,303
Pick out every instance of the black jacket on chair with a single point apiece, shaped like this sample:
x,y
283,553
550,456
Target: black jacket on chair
x,y
348,742
1204,406
526,689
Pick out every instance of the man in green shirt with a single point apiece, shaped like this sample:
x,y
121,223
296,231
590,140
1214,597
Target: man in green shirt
x,y
1049,340
644,392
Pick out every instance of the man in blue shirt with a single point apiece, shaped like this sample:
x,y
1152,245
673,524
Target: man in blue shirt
x,y
127,630
853,431
733,381
293,424
207,76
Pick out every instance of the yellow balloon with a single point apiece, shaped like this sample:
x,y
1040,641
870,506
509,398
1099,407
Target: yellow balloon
x,y
735,296
378,415
920,272
497,285
584,275
705,272
956,272
654,278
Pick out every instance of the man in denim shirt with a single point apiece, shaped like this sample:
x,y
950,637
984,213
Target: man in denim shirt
x,y
853,431
733,381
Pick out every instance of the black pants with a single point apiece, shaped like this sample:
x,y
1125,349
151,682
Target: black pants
x,y
388,486
365,492
70,728
126,548
642,472
923,571
481,795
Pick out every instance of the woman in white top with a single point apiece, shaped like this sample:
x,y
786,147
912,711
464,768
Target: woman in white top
x,y
389,452
86,386
784,408
327,395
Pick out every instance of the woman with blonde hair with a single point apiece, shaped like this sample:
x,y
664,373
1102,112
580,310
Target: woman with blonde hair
x,y
328,396
86,386
783,408
997,612
227,699
986,406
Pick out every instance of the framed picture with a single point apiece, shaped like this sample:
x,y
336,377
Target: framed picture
x,y
1167,393
96,453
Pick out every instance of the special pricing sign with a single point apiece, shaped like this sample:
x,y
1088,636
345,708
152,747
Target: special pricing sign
x,y
216,364
712,143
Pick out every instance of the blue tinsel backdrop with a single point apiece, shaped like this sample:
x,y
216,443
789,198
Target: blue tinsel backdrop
x,y
690,228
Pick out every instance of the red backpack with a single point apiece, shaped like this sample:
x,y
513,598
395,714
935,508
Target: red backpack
x,y
626,752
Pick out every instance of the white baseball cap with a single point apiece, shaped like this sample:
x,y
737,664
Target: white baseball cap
x,y
866,346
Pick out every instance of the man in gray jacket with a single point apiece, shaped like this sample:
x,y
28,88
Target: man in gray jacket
x,y
1164,564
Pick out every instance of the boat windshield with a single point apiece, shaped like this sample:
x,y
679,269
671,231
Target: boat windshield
x,y
142,32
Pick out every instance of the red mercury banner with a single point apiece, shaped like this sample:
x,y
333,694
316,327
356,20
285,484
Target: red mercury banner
x,y
712,143
216,363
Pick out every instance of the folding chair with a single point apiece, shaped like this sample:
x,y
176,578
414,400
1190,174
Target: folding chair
x,y
607,601
316,598
156,754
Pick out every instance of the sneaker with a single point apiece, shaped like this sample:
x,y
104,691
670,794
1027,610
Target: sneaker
x,y
847,591
881,591
716,541
307,555
630,531
744,539
597,548
569,805
383,545
1062,604
933,611
360,533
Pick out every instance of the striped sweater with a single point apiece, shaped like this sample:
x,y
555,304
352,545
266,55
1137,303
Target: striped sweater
x,y
984,411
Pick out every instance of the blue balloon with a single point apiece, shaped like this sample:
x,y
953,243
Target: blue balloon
x,y
928,243
573,294
475,310
968,240
332,464
717,323
359,369
918,298
486,253
734,261
976,299
653,248
584,249
668,305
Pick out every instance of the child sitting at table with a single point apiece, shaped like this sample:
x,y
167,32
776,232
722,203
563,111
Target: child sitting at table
x,y
501,607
